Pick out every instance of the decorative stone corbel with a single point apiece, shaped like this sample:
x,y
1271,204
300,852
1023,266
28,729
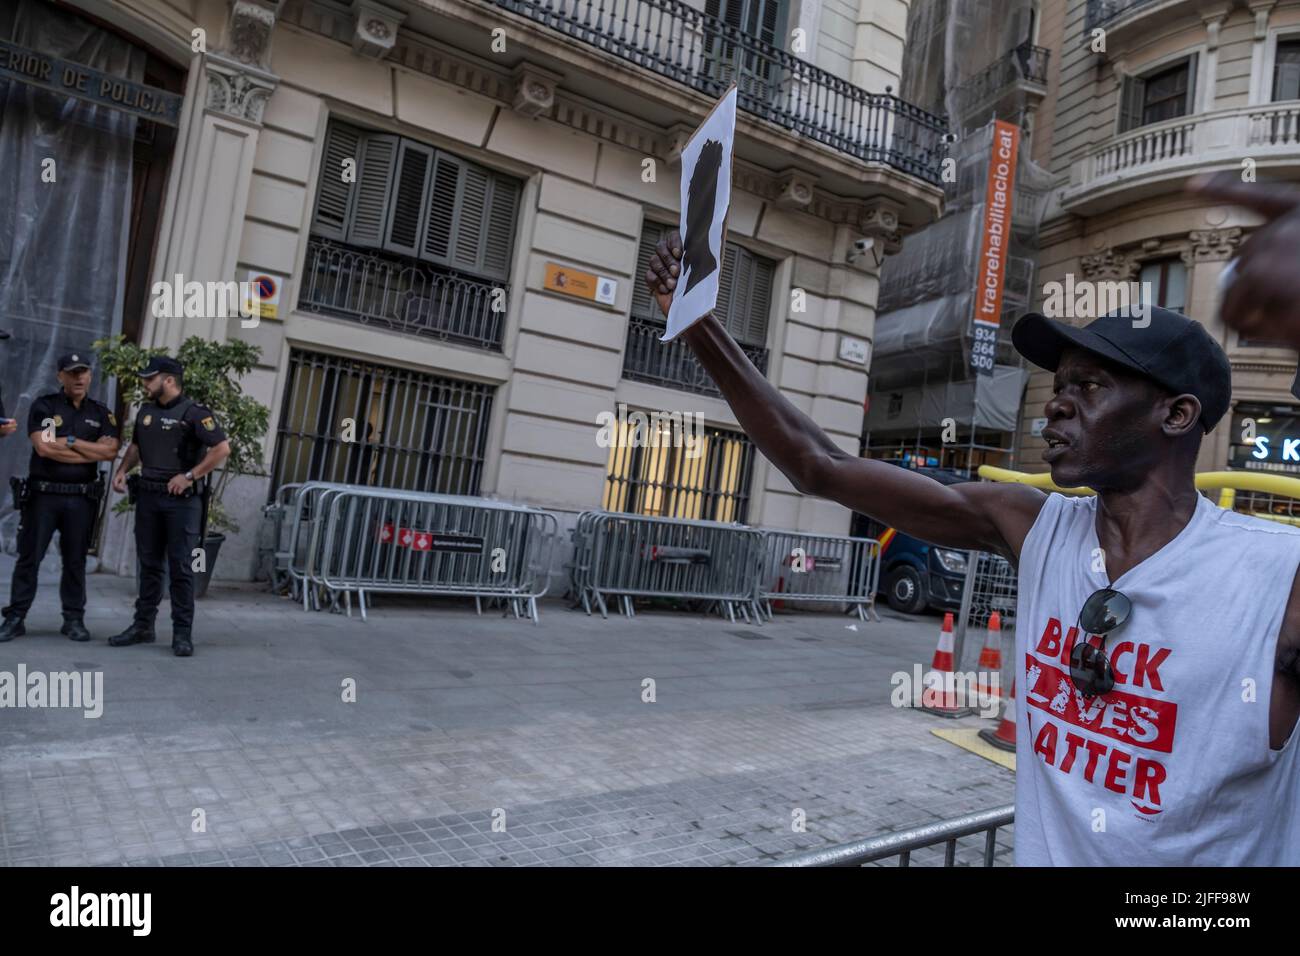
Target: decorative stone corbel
x,y
676,138
1262,10
1110,265
251,24
879,220
796,189
375,31
534,89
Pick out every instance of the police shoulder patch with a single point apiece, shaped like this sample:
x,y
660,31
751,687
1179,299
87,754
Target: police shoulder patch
x,y
209,423
112,419
148,420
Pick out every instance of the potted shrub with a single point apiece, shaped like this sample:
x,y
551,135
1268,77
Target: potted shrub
x,y
212,374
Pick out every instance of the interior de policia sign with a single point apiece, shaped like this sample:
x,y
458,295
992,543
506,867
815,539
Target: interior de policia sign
x,y
73,79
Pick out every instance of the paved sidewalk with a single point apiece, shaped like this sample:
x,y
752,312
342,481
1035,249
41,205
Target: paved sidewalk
x,y
460,719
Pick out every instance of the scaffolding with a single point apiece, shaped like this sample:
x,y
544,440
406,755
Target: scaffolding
x,y
976,61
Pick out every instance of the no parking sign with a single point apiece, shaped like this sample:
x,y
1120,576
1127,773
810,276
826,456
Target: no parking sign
x,y
264,295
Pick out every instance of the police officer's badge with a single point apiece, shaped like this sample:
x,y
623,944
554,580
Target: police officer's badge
x,y
112,419
148,420
58,421
209,424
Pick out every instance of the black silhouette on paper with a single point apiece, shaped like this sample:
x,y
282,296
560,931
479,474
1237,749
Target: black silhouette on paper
x,y
698,262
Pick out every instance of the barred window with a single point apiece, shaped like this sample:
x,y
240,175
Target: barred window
x,y
419,241
744,302
648,473
409,430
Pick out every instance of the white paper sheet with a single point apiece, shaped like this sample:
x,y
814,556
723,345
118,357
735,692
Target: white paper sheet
x,y
706,173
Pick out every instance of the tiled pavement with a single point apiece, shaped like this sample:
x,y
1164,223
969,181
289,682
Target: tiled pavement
x,y
460,721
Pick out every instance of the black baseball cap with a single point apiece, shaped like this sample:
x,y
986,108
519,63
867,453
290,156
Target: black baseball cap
x,y
72,361
161,364
1162,345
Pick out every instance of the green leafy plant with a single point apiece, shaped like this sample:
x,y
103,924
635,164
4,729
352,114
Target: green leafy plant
x,y
212,374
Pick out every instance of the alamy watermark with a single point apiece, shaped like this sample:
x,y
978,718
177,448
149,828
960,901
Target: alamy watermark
x,y
979,690
207,300
637,429
79,690
1087,299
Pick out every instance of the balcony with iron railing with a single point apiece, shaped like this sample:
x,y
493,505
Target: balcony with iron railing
x,y
1015,81
388,291
1116,17
1158,159
672,364
678,41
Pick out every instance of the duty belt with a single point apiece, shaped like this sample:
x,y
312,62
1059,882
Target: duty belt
x,y
158,487
62,487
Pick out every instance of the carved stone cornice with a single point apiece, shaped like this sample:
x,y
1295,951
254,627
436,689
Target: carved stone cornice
x,y
1214,245
236,90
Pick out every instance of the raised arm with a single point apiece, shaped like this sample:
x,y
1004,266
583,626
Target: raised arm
x,y
987,516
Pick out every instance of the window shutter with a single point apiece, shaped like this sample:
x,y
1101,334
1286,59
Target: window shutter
x,y
760,304
442,209
1130,103
726,284
471,213
768,17
643,306
333,195
1193,62
370,205
503,203
410,194
742,279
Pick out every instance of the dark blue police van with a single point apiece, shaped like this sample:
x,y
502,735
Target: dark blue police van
x,y
915,575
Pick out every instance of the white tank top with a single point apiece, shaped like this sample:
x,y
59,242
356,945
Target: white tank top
x,y
1173,767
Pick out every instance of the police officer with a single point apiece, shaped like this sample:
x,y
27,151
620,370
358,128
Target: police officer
x,y
7,425
177,442
70,434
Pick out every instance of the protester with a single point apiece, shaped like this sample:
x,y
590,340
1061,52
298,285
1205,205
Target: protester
x,y
1163,738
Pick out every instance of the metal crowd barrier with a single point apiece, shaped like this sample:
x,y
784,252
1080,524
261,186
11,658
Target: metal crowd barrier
x,y
628,556
337,540
903,845
837,569
991,585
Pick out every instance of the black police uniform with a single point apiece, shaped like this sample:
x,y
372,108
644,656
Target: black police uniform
x,y
62,497
172,439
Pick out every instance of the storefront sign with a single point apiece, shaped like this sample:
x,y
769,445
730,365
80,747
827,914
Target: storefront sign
x,y
991,268
73,79
584,285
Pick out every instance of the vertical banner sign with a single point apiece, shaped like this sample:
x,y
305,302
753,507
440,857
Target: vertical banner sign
x,y
990,271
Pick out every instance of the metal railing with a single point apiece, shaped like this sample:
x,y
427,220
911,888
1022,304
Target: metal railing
x,y
626,556
402,295
1026,62
1101,12
672,363
903,845
823,568
992,584
676,40
334,541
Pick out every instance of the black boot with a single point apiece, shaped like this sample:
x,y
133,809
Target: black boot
x,y
137,633
11,628
182,645
75,630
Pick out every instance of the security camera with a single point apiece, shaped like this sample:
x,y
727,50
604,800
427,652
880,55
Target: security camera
x,y
863,247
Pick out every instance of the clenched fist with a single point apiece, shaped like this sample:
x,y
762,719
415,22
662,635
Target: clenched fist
x,y
661,276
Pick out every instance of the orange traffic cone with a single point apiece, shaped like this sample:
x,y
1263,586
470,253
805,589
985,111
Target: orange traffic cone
x,y
1004,738
991,658
940,680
